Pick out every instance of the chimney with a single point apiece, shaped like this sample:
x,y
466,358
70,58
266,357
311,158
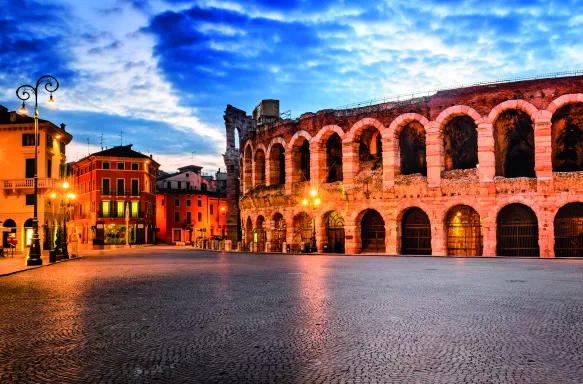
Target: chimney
x,y
151,156
63,125
12,117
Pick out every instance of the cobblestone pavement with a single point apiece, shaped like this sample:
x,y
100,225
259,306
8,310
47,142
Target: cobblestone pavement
x,y
169,315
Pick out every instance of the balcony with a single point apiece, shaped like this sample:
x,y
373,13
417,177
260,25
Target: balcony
x,y
15,184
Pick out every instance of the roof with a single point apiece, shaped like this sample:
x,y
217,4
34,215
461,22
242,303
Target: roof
x,y
122,151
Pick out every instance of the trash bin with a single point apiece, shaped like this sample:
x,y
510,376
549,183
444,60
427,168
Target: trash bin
x,y
52,256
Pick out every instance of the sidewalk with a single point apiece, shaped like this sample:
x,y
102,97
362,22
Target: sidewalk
x,y
10,265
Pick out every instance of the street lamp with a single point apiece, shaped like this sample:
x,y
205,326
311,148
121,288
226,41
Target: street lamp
x,y
313,202
23,93
66,198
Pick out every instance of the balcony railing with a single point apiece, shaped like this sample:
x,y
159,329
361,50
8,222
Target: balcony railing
x,y
27,183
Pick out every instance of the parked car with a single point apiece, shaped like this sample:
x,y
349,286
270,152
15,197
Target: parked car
x,y
216,237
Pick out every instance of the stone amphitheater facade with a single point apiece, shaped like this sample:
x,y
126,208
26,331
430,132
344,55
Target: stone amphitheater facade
x,y
483,170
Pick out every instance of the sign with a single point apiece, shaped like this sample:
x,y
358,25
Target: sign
x,y
140,225
99,226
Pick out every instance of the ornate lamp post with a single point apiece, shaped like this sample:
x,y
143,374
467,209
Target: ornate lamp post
x,y
24,92
313,202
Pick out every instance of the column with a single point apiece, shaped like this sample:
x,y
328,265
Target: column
x,y
489,230
317,171
543,146
350,240
437,238
392,236
390,164
434,145
486,155
289,174
350,163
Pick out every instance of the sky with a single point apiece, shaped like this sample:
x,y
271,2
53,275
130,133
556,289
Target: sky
x,y
162,72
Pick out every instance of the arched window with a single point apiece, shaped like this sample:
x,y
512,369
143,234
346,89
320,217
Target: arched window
x,y
277,165
278,232
248,169
569,231
372,232
334,158
259,237
567,136
517,231
335,232
460,143
514,144
412,149
259,167
301,160
415,233
303,231
464,232
370,151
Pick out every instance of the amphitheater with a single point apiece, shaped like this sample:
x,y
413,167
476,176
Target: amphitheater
x,y
492,169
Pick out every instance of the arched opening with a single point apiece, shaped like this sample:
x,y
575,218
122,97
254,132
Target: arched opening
x,y
248,232
278,233
301,160
569,231
412,149
334,232
259,167
334,158
517,231
259,235
415,233
248,169
567,136
373,232
370,149
277,165
8,223
464,232
236,138
28,232
460,143
514,144
303,231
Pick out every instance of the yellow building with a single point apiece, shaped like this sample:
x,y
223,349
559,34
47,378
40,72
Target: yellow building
x,y
17,175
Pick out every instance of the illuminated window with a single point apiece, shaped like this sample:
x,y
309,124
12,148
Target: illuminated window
x,y
120,209
105,209
135,208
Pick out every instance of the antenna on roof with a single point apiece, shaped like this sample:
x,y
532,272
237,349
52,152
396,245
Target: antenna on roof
x,y
88,147
121,138
102,141
192,157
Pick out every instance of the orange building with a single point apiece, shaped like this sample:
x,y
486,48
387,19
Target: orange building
x,y
107,184
189,206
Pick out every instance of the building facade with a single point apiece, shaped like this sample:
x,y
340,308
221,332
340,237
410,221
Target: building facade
x,y
189,206
492,169
109,185
17,173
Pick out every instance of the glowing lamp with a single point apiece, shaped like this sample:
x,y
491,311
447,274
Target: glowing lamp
x,y
58,136
51,100
317,202
305,202
53,195
65,185
313,192
23,110
71,196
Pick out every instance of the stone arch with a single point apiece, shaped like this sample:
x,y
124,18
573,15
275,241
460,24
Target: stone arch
x,y
247,168
299,150
259,166
278,228
303,230
514,148
393,131
276,161
460,142
567,137
412,149
260,231
8,223
415,232
568,230
457,110
248,231
371,231
564,100
522,105
357,127
331,159
327,131
464,232
517,231
333,229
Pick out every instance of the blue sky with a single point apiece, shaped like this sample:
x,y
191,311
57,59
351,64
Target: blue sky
x,y
163,71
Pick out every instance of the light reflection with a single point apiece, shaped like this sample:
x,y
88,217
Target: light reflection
x,y
313,292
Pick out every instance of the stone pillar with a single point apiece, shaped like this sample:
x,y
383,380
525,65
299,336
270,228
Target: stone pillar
x,y
267,171
546,234
267,241
543,146
486,156
390,164
289,174
438,240
350,163
392,236
350,241
320,233
434,153
317,171
489,230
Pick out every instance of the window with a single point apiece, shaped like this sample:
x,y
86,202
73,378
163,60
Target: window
x,y
105,165
135,209
199,216
188,202
187,175
120,211
203,187
162,202
105,209
176,217
179,184
134,166
49,168
105,187
30,199
120,187
212,208
176,235
121,166
177,202
200,203
61,171
62,147
28,139
29,168
49,140
188,217
135,187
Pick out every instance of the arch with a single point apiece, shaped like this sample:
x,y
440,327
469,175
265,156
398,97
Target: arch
x,y
259,237
569,230
299,134
248,231
464,234
332,160
522,105
372,231
327,131
460,142
276,159
28,223
278,228
514,149
567,138
303,231
259,165
415,232
457,110
517,231
412,149
334,229
247,169
357,127
274,141
9,223
299,148
564,100
396,125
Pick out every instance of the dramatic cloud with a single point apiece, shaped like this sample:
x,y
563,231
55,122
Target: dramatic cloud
x,y
163,71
